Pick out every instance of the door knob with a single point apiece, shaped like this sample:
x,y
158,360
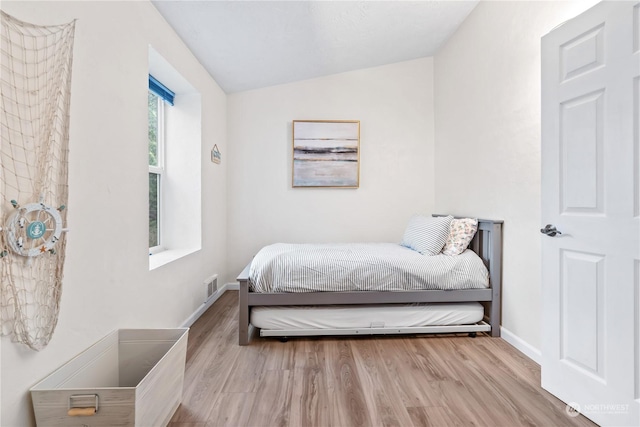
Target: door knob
x,y
550,230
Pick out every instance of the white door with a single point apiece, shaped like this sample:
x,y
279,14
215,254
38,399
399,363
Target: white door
x,y
591,194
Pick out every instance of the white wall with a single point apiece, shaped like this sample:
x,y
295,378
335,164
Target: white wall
x,y
487,109
107,282
394,104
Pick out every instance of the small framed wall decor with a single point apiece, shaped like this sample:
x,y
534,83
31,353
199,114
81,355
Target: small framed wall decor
x,y
326,153
216,157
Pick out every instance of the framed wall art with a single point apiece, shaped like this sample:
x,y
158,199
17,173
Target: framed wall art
x,y
326,153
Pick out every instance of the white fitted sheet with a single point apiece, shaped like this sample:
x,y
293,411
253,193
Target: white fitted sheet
x,y
366,316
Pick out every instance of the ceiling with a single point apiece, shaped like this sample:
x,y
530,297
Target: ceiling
x,y
247,45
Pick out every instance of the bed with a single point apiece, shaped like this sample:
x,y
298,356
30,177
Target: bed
x,y
293,298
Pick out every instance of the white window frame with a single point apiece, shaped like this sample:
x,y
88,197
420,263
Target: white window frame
x,y
159,170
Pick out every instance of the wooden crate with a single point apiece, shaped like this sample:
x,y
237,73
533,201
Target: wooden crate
x,y
131,377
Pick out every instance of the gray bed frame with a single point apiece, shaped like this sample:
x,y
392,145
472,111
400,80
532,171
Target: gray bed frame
x,y
487,244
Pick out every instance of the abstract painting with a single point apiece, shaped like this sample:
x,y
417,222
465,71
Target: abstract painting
x,y
326,153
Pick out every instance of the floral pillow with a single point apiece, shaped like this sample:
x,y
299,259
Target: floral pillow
x,y
461,232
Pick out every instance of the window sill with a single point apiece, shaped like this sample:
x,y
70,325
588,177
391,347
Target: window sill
x,y
167,256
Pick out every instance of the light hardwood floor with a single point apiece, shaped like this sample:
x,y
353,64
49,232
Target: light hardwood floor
x,y
381,381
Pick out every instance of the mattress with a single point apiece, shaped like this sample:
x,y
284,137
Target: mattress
x,y
352,267
366,316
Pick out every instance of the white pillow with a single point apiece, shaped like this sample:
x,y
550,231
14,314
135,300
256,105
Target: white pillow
x,y
461,232
426,235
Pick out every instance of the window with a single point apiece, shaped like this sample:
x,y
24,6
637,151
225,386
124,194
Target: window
x,y
159,95
175,160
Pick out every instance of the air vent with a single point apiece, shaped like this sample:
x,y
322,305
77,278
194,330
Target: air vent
x,y
211,286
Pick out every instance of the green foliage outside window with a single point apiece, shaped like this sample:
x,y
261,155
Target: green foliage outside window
x,y
153,209
153,129
154,178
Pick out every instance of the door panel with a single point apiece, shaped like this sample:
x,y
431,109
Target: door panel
x,y
581,151
636,145
636,28
637,332
582,324
583,53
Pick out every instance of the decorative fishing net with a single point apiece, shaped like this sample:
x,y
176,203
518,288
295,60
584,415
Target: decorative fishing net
x,y
35,81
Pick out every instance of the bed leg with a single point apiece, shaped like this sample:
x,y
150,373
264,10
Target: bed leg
x,y
495,320
243,338
243,318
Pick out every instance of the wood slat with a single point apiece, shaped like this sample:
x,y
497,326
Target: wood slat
x,y
272,403
231,410
379,386
361,381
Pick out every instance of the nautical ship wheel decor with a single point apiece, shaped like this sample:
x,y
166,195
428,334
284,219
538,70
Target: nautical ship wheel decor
x,y
33,229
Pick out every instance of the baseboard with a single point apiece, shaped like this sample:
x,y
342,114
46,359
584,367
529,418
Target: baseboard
x,y
235,286
200,311
530,351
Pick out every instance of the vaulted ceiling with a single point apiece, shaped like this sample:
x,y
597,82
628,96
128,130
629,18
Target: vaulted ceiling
x,y
253,44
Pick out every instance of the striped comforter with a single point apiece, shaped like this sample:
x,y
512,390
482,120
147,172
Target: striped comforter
x,y
361,267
